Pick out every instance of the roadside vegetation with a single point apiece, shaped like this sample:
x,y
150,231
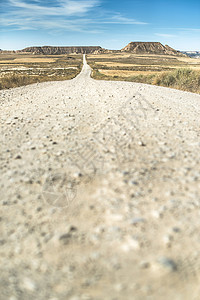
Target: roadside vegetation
x,y
17,80
20,70
179,73
182,79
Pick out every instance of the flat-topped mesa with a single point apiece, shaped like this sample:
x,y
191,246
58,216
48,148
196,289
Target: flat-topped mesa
x,y
51,50
133,47
150,48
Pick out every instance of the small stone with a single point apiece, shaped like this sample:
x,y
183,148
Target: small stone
x,y
144,265
167,263
167,240
140,143
71,228
18,157
130,244
65,237
176,229
135,221
59,153
28,284
2,242
156,214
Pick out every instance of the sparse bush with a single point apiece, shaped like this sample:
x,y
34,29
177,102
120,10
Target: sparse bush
x,y
17,80
183,79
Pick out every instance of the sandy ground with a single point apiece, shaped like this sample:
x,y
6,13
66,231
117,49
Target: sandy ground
x,y
100,191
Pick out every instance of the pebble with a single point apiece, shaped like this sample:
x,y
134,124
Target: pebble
x,y
29,284
176,229
167,263
136,221
141,143
66,237
144,265
167,239
156,214
130,244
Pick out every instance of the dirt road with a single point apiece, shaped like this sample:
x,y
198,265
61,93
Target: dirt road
x,y
100,191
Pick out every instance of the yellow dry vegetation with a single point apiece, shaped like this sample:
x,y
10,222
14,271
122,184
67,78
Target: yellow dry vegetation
x,y
125,73
106,56
34,60
27,60
115,64
189,60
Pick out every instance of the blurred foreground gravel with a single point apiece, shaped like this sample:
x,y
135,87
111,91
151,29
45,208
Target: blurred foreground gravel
x,y
100,191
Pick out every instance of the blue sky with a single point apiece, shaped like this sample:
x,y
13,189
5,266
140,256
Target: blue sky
x,y
110,24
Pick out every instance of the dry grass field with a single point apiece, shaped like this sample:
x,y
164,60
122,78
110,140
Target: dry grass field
x,y
22,69
177,72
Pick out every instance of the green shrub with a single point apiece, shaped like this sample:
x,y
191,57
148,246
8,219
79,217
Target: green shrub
x,y
183,79
16,80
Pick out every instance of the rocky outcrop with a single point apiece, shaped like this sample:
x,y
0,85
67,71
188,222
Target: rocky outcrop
x,y
150,48
193,54
50,50
133,47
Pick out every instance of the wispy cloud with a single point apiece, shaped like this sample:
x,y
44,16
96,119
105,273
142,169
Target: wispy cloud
x,y
119,19
71,15
182,29
60,8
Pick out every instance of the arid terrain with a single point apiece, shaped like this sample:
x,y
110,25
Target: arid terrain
x,y
144,62
100,190
179,72
18,69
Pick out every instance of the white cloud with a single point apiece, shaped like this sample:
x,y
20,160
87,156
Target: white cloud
x,y
62,8
119,19
182,29
69,15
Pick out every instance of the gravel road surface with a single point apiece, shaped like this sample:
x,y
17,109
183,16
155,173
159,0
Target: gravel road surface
x,y
100,191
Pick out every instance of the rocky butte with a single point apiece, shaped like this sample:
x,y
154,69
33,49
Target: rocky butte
x,y
50,50
133,47
150,48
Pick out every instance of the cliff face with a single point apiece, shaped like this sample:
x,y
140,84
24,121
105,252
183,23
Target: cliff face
x,y
133,47
49,50
150,48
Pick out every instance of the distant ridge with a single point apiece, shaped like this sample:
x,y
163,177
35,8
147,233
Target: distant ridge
x,y
150,48
193,54
51,50
133,47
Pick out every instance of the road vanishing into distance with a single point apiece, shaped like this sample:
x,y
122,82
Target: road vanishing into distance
x,y
100,191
